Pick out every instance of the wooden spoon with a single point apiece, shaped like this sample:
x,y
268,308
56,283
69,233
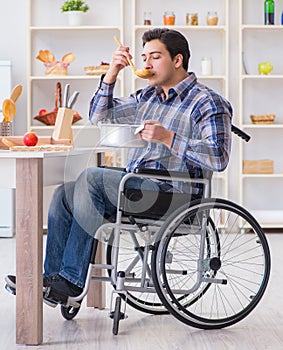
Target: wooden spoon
x,y
8,110
141,73
50,56
68,58
8,143
16,92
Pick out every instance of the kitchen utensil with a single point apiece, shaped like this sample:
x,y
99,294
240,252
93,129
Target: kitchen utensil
x,y
141,73
42,56
46,56
72,100
8,110
7,142
68,58
50,56
120,135
66,95
49,118
16,92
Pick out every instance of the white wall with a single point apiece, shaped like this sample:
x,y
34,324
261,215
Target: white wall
x,y
13,47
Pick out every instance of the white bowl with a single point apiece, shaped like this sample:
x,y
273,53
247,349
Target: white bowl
x,y
120,135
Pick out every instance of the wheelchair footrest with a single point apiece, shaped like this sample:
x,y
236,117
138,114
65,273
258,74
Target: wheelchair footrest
x,y
11,290
55,296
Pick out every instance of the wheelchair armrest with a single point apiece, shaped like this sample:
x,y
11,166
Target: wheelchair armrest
x,y
172,174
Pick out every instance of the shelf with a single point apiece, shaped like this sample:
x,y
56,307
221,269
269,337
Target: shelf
x,y
185,27
91,42
212,77
76,126
262,126
72,28
262,176
268,218
261,27
260,94
67,77
259,76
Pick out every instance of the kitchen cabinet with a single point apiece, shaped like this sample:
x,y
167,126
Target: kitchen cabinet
x,y
91,43
259,94
206,41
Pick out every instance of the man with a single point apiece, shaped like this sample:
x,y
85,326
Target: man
x,y
187,127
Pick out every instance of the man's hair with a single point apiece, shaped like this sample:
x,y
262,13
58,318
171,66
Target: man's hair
x,y
174,41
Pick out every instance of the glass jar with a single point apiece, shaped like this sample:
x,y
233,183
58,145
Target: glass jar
x,y
206,66
212,18
147,18
169,18
192,19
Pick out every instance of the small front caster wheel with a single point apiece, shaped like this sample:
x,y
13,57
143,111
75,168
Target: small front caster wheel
x,y
117,315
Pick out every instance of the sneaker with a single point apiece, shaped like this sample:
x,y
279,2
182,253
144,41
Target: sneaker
x,y
11,286
11,281
60,289
63,286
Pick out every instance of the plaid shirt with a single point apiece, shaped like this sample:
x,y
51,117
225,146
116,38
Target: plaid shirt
x,y
199,117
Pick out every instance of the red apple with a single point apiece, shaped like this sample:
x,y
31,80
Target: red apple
x,y
42,111
30,139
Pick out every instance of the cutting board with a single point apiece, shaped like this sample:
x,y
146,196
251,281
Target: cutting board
x,y
10,141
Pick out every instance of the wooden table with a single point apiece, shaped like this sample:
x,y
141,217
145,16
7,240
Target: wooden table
x,y
28,172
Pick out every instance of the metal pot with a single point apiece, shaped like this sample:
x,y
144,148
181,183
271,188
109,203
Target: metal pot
x,y
120,135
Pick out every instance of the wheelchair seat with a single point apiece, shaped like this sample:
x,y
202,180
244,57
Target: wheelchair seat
x,y
153,204
162,204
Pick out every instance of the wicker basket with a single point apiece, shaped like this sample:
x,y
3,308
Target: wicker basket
x,y
49,118
263,119
262,166
56,69
96,70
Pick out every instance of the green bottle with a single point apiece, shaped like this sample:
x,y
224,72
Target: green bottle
x,y
268,12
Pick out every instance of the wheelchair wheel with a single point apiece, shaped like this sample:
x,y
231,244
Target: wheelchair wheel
x,y
69,312
220,269
130,260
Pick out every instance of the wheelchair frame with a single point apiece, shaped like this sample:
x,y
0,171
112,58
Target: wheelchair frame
x,y
207,263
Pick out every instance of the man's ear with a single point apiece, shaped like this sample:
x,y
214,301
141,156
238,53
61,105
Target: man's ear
x,y
178,60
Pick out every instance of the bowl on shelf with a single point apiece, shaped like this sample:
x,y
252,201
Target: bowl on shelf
x,y
263,118
97,70
49,118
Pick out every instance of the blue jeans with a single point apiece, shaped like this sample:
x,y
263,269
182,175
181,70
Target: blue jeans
x,y
76,211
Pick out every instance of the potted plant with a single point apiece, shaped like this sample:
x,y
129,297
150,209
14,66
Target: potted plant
x,y
75,9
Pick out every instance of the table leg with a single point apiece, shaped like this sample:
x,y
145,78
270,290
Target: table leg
x,y
96,293
29,250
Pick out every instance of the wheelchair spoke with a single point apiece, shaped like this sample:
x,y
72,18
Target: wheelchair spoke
x,y
223,285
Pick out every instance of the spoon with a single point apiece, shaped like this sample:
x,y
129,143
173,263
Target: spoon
x,y
16,92
8,110
141,73
68,58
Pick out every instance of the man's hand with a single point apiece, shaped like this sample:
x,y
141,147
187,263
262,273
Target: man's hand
x,y
118,62
153,131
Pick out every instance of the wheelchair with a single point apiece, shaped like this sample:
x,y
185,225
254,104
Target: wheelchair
x,y
205,261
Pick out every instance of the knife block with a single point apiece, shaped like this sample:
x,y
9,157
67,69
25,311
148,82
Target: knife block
x,y
63,124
